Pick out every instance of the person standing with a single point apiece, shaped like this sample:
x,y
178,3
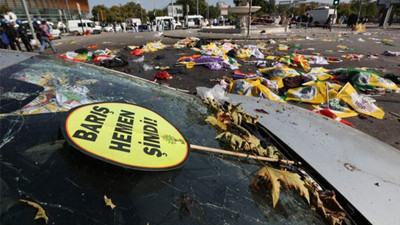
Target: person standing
x,y
22,31
4,42
298,21
12,35
148,26
45,33
310,20
3,37
135,27
305,21
342,19
392,20
36,27
328,23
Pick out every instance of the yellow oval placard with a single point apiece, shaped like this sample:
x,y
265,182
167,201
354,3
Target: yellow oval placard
x,y
126,135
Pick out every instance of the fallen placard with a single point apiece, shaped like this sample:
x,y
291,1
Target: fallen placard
x,y
127,135
132,136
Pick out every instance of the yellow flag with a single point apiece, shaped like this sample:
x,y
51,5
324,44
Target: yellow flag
x,y
349,95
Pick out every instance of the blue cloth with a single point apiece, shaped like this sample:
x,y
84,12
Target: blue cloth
x,y
47,40
4,38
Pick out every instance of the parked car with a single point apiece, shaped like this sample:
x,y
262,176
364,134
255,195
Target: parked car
x,y
131,21
167,20
110,28
55,33
37,164
78,26
195,21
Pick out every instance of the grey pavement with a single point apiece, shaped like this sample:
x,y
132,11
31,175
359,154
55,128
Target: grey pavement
x,y
298,32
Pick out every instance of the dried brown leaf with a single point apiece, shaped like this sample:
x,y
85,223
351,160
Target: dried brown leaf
x,y
242,131
276,179
236,142
332,209
328,205
41,213
224,117
109,202
216,123
213,105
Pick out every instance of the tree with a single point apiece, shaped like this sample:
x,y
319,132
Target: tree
x,y
193,7
119,13
134,10
371,10
302,9
214,12
157,12
270,6
345,9
368,9
267,6
283,9
101,9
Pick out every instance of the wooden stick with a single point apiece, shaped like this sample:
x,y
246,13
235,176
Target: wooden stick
x,y
262,158
395,114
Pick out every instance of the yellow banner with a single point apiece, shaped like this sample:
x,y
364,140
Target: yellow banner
x,y
349,95
127,135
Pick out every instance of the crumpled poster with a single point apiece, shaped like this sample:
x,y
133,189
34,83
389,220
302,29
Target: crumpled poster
x,y
253,87
212,62
359,103
184,42
314,92
59,94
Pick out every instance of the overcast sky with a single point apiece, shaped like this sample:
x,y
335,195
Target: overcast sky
x,y
150,4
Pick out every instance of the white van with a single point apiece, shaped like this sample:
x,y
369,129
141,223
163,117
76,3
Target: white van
x,y
194,21
131,21
167,20
75,27
321,14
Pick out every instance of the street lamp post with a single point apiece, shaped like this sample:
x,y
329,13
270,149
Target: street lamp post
x,y
29,20
359,11
69,12
249,19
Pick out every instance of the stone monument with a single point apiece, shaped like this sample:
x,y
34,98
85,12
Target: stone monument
x,y
242,10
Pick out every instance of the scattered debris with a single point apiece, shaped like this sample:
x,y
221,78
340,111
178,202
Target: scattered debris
x,y
109,202
41,214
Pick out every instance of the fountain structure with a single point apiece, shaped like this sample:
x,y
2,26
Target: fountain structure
x,y
242,10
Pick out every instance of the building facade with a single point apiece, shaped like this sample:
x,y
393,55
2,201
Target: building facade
x,y
51,10
223,7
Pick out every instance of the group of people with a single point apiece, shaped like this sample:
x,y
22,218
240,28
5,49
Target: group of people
x,y
12,32
223,22
303,20
160,25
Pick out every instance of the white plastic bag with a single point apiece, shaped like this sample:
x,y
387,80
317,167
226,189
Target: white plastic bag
x,y
147,67
217,93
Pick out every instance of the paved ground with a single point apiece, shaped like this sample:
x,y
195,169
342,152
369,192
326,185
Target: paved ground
x,y
322,41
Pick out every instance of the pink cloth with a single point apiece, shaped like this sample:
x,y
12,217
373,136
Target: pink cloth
x,y
45,30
